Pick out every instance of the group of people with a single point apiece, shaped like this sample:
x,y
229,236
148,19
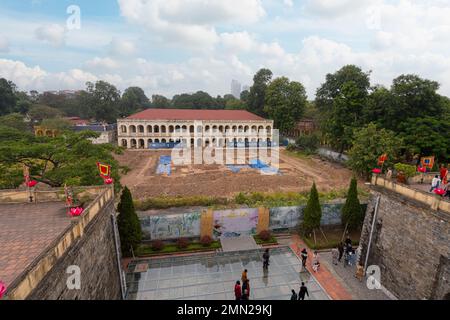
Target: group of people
x,y
242,292
301,293
441,181
315,262
344,249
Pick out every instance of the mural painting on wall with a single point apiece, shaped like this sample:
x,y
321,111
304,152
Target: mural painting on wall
x,y
284,217
234,223
171,226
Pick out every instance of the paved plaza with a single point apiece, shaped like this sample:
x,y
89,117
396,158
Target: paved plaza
x,y
27,229
212,276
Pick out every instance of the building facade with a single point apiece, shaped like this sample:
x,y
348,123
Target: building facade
x,y
194,127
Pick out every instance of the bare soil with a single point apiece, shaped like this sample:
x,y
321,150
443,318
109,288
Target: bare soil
x,y
297,175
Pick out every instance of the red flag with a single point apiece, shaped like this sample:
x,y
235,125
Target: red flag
x,y
382,159
104,169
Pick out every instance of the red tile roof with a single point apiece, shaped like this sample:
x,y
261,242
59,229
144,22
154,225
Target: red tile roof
x,y
190,114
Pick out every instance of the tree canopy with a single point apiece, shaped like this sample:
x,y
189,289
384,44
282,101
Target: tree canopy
x,y
68,158
369,143
285,102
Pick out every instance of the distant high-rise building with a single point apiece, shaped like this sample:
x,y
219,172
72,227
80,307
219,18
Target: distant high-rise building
x,y
236,89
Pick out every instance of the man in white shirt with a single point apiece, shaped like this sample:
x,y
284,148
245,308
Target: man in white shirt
x,y
435,183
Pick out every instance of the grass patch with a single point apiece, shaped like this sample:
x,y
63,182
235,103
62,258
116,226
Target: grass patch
x,y
304,155
179,201
333,237
271,240
251,200
146,250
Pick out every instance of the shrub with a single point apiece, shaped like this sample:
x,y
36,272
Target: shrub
x,y
182,243
265,235
240,198
408,170
206,241
308,143
157,245
291,147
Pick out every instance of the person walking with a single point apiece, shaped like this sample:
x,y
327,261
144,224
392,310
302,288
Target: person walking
x,y
244,277
303,291
304,256
335,255
315,262
238,290
340,248
294,295
246,290
266,257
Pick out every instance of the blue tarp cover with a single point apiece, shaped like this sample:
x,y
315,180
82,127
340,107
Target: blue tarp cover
x,y
164,165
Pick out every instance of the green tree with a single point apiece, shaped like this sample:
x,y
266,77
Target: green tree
x,y
235,104
369,143
59,124
257,96
285,102
427,136
8,97
308,142
341,101
68,158
40,112
352,213
313,212
128,224
133,100
102,101
14,120
160,102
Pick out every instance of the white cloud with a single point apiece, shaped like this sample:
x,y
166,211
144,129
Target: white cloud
x,y
35,78
53,34
122,47
190,23
4,44
102,63
289,3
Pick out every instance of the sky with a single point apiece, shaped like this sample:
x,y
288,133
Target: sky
x,y
176,46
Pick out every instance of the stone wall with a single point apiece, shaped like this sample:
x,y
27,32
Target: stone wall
x,y
95,254
410,243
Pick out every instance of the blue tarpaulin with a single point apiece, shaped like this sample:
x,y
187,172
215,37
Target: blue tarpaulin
x,y
164,165
164,145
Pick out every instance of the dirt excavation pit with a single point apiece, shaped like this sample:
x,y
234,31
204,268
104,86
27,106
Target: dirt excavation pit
x,y
296,175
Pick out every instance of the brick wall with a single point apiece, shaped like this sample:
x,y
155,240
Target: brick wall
x,y
410,244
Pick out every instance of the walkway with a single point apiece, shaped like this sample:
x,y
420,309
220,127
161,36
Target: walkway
x,y
238,243
326,279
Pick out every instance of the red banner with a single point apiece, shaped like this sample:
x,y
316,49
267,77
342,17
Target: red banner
x,y
382,159
104,170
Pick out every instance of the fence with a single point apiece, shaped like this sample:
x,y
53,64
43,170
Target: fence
x,y
232,222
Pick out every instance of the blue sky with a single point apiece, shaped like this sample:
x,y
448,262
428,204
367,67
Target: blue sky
x,y
173,46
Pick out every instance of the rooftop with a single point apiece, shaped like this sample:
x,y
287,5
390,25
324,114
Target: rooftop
x,y
26,231
190,114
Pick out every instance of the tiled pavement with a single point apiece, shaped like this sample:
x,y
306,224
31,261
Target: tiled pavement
x,y
212,276
326,279
25,231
